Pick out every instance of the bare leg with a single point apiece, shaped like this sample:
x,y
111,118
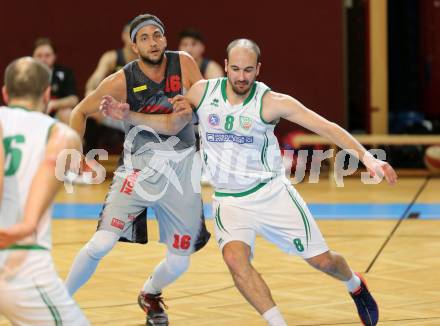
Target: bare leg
x,y
335,265
248,281
332,264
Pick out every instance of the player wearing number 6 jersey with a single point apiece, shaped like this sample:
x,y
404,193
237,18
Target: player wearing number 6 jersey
x,y
237,117
31,292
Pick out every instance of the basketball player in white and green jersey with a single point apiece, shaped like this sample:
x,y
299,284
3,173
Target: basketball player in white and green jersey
x,y
237,117
31,293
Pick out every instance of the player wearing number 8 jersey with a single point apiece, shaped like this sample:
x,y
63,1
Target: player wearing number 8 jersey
x,y
237,116
252,195
31,293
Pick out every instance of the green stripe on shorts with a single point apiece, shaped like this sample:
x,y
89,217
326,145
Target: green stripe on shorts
x,y
303,215
52,308
219,221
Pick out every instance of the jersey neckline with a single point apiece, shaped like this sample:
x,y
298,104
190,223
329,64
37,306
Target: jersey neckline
x,y
165,74
246,101
19,107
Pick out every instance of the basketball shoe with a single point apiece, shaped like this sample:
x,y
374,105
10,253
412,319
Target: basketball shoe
x,y
153,306
365,304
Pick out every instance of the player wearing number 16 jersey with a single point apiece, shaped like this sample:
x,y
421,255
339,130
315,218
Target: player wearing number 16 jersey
x,y
157,170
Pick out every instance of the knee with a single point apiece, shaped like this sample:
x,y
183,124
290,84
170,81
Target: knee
x,y
177,264
237,263
101,243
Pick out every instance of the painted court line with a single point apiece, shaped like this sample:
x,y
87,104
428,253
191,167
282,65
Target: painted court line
x,y
344,211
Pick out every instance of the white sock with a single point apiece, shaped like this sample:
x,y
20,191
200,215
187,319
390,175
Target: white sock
x,y
353,284
274,318
87,259
168,270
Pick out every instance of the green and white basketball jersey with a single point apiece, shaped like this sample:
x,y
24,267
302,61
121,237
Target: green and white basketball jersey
x,y
25,134
239,149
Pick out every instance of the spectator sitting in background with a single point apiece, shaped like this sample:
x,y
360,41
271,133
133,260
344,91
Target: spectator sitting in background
x,y
191,41
102,132
111,61
63,90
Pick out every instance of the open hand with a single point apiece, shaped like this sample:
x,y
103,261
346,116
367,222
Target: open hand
x,y
114,109
381,169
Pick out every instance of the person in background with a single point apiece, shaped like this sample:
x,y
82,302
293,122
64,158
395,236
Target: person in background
x,y
191,41
63,90
111,61
102,132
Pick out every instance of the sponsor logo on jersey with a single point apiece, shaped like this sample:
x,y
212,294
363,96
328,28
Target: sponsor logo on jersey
x,y
129,182
118,223
228,138
245,122
213,119
214,102
140,88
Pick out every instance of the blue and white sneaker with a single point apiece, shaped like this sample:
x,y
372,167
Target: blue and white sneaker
x,y
365,304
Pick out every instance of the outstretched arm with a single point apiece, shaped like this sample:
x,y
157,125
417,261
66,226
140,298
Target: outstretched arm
x,y
38,200
166,124
276,106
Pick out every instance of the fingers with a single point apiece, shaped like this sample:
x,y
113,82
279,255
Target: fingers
x,y
113,109
382,170
390,174
176,99
76,163
103,106
180,100
184,111
108,98
181,107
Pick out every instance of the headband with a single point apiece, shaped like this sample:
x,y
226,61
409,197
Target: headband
x,y
143,24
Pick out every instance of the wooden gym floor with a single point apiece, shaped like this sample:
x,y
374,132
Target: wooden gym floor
x,y
398,255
